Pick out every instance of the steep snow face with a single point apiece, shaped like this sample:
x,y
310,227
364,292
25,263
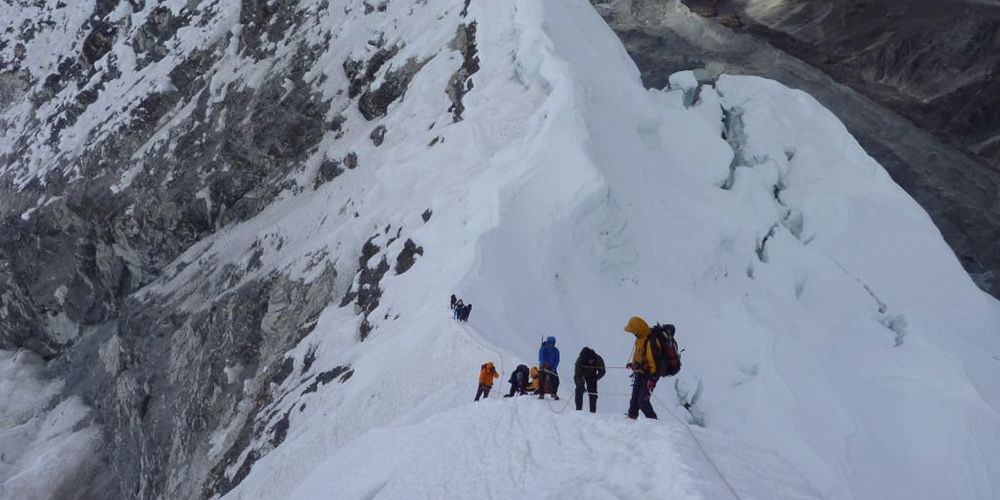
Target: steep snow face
x,y
822,313
823,317
299,335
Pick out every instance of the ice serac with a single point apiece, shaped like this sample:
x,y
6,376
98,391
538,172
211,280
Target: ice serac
x,y
238,247
909,80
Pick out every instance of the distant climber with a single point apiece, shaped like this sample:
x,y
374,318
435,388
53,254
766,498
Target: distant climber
x,y
454,299
548,364
459,307
486,375
518,381
589,369
533,383
643,368
466,311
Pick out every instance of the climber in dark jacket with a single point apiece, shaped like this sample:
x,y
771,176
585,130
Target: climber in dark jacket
x,y
548,363
589,369
518,381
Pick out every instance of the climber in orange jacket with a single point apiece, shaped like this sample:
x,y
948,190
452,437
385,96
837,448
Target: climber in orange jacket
x,y
643,367
487,373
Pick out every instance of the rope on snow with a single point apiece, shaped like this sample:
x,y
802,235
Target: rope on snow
x,y
700,447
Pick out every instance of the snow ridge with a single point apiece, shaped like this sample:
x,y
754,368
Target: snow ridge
x,y
561,232
507,152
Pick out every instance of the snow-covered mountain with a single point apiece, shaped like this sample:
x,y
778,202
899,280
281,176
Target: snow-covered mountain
x,y
231,229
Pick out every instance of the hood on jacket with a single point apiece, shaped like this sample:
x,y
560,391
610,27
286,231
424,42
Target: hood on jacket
x,y
638,327
551,341
587,353
488,365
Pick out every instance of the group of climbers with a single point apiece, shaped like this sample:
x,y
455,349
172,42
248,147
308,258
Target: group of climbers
x,y
459,309
655,354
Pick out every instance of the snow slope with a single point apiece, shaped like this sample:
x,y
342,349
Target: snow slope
x,y
823,317
834,345
519,448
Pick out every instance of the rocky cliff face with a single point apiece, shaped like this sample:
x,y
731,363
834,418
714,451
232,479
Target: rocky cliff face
x,y
937,63
914,82
130,130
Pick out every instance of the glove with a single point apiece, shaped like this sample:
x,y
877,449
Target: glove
x,y
650,384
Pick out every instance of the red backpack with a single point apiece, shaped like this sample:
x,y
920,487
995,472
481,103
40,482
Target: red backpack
x,y
666,353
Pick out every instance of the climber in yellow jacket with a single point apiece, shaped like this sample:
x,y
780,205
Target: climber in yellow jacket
x,y
534,384
487,373
643,367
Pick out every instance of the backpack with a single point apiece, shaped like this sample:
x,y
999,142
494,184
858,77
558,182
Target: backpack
x,y
666,354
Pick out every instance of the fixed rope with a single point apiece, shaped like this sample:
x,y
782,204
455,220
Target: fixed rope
x,y
475,338
700,447
684,424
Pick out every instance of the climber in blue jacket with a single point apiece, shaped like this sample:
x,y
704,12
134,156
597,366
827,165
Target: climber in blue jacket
x,y
548,363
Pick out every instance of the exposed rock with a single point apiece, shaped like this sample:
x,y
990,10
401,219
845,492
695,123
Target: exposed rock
x,y
929,61
378,135
108,187
362,74
407,257
367,293
328,171
351,160
461,81
150,39
18,321
326,377
374,103
97,43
